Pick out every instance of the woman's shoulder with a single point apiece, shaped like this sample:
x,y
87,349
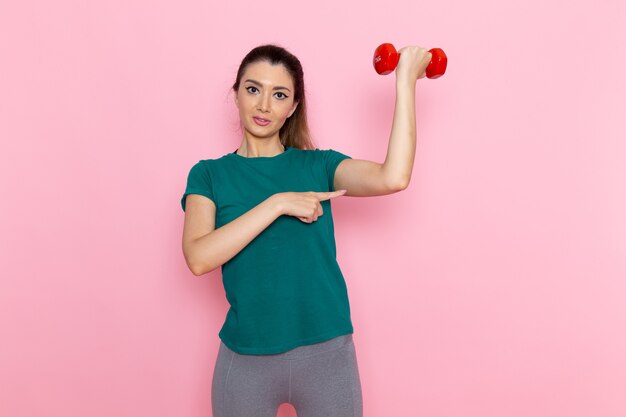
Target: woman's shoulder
x,y
329,153
207,165
313,151
212,160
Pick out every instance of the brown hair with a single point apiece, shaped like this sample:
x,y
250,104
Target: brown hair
x,y
295,132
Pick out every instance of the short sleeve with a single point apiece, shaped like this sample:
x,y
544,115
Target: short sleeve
x,y
331,160
198,182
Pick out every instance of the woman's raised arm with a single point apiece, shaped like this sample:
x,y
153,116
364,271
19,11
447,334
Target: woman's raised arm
x,y
363,178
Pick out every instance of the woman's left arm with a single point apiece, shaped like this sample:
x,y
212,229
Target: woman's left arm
x,y
363,178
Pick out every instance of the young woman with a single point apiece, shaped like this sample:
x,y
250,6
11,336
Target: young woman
x,y
263,214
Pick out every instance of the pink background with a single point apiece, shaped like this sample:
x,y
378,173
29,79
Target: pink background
x,y
495,285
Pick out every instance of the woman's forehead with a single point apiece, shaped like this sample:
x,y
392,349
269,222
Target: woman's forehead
x,y
266,73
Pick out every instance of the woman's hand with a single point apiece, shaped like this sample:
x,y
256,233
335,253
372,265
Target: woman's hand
x,y
413,62
304,205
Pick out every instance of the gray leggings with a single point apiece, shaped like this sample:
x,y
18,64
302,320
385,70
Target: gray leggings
x,y
319,380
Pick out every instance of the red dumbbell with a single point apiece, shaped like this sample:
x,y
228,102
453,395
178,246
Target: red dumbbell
x,y
386,59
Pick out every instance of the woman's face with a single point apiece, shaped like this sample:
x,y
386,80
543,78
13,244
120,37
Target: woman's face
x,y
265,91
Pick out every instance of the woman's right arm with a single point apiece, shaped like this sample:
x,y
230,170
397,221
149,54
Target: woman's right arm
x,y
206,248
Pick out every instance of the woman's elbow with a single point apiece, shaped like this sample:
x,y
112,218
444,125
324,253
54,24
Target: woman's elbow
x,y
196,266
199,268
402,184
196,270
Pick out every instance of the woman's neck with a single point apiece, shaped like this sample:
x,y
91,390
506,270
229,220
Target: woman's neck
x,y
252,151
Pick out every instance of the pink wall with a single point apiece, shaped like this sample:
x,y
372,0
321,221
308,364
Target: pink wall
x,y
495,285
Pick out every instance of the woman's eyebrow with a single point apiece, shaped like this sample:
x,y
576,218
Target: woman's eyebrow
x,y
261,85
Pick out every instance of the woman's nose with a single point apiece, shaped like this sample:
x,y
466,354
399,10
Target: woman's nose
x,y
264,103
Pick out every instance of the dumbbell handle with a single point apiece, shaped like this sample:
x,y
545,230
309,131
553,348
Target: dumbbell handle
x,y
386,60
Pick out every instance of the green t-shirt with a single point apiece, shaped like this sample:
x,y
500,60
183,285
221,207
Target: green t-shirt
x,y
285,288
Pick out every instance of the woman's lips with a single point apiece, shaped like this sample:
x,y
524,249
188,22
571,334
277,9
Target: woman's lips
x,y
261,122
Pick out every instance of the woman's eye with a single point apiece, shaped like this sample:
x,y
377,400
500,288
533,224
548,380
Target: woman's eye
x,y
282,95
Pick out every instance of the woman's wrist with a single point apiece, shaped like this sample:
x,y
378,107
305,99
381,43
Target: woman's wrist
x,y
274,202
405,81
